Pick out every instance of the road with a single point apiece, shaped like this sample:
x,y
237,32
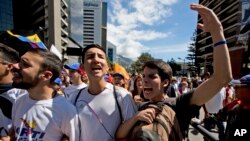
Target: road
x,y
194,135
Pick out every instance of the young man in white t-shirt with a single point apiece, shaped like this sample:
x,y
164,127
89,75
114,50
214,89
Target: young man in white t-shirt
x,y
75,75
42,114
99,113
8,93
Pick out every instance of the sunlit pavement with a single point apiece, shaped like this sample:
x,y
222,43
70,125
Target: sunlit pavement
x,y
194,135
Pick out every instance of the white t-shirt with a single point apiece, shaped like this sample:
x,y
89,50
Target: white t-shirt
x,y
216,103
44,120
73,89
97,110
5,122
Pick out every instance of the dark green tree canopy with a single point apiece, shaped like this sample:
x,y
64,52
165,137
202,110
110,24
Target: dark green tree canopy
x,y
137,65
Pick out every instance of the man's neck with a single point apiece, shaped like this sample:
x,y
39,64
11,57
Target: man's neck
x,y
6,80
97,87
41,93
78,83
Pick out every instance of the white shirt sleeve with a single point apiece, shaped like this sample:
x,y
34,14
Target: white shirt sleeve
x,y
70,125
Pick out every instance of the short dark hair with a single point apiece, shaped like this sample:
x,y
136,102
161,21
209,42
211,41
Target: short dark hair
x,y
164,69
51,62
9,54
89,47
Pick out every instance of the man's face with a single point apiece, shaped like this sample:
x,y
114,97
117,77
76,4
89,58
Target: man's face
x,y
139,83
95,63
3,68
85,78
26,72
153,88
118,81
74,76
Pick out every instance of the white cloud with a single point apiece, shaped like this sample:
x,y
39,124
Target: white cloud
x,y
169,48
127,25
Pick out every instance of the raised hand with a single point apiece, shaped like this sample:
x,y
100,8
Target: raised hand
x,y
211,23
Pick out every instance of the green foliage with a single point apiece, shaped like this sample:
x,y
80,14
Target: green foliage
x,y
192,54
137,65
175,67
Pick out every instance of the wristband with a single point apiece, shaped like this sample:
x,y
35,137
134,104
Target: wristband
x,y
220,43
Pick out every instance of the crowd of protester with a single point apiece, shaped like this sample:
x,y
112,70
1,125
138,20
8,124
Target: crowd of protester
x,y
90,102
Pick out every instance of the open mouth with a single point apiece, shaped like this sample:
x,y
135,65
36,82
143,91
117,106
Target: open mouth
x,y
16,76
148,89
96,68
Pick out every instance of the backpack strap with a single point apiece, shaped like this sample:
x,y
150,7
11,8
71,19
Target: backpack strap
x,y
78,95
144,105
162,124
116,101
176,134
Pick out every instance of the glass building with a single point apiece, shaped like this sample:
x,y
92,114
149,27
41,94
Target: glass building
x,y
6,15
95,22
76,21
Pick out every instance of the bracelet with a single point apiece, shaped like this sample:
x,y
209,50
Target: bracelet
x,y
220,43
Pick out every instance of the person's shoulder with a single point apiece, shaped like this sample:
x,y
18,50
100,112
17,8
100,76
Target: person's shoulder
x,y
21,99
63,103
121,91
70,88
184,98
83,85
16,92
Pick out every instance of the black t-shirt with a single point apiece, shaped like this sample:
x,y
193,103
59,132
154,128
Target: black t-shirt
x,y
238,122
184,111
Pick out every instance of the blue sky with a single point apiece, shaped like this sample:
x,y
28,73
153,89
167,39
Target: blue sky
x,y
162,28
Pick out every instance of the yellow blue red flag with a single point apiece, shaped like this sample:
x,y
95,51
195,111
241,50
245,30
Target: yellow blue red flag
x,y
33,40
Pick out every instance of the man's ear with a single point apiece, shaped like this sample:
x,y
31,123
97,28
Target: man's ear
x,y
47,74
165,83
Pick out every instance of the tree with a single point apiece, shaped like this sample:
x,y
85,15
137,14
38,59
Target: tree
x,y
137,65
175,67
192,54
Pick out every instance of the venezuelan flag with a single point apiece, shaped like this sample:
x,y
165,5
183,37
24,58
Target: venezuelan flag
x,y
33,40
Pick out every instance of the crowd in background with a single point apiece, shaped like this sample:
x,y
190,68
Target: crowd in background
x,y
92,102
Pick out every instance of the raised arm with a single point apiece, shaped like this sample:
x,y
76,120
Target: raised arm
x,y
221,61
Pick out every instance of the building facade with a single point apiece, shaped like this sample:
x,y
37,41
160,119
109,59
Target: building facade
x,y
233,15
76,21
6,15
95,22
50,18
62,23
53,20
111,52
